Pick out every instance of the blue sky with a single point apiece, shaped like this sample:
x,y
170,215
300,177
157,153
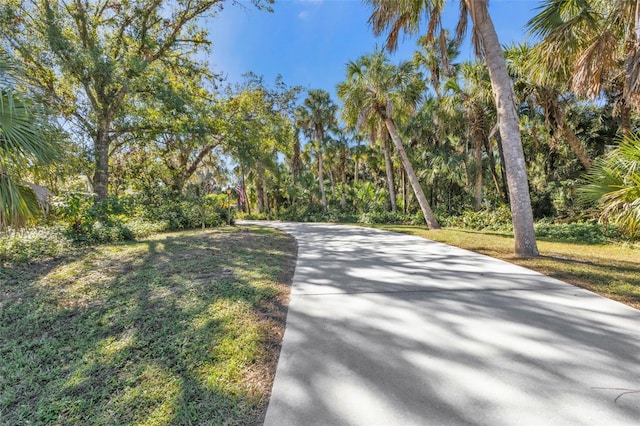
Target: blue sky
x,y
309,42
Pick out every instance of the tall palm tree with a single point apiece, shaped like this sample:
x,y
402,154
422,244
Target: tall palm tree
x,y
376,90
21,144
317,116
396,16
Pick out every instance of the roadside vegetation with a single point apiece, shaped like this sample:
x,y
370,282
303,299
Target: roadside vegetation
x,y
179,328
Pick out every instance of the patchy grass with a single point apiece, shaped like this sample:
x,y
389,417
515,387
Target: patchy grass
x,y
607,269
181,328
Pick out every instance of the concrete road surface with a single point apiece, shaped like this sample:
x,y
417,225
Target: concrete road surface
x,y
389,329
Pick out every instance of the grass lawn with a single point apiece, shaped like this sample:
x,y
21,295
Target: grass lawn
x,y
610,270
181,328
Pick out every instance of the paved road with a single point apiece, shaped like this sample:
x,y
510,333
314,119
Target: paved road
x,y
388,329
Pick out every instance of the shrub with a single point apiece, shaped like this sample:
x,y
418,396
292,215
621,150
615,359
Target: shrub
x,y
33,244
177,211
141,228
381,217
589,233
498,219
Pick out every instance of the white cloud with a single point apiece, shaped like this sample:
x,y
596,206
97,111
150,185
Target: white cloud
x,y
303,15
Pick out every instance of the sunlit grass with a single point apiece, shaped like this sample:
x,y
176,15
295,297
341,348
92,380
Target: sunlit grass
x,y
611,270
181,328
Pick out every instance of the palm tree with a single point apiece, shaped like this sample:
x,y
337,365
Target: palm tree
x,y
397,16
614,183
317,115
21,144
378,134
595,46
375,90
548,96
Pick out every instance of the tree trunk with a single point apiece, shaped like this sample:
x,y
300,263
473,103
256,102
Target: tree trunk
x,y
246,192
429,217
356,170
323,195
265,194
101,174
522,214
404,191
389,169
625,118
343,177
259,194
492,167
295,160
478,137
576,144
332,179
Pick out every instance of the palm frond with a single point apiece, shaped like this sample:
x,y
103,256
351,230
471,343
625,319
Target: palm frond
x,y
614,184
593,65
18,202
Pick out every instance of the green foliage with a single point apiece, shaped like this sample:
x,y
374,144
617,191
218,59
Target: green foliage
x,y
23,145
33,244
89,222
614,183
138,216
383,216
497,219
579,232
179,211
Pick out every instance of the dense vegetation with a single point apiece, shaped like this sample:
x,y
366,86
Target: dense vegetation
x,y
113,124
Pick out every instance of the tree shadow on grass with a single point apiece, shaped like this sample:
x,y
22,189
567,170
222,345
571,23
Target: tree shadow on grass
x,y
180,332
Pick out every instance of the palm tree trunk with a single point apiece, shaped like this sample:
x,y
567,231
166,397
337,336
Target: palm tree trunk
x,y
522,214
576,144
323,195
429,217
356,170
389,169
492,167
404,191
295,159
625,118
343,177
478,142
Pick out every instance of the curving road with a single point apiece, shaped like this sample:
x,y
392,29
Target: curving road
x,y
389,329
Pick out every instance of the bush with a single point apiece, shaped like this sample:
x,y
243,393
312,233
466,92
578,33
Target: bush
x,y
381,217
33,244
498,219
138,216
585,232
176,211
141,228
